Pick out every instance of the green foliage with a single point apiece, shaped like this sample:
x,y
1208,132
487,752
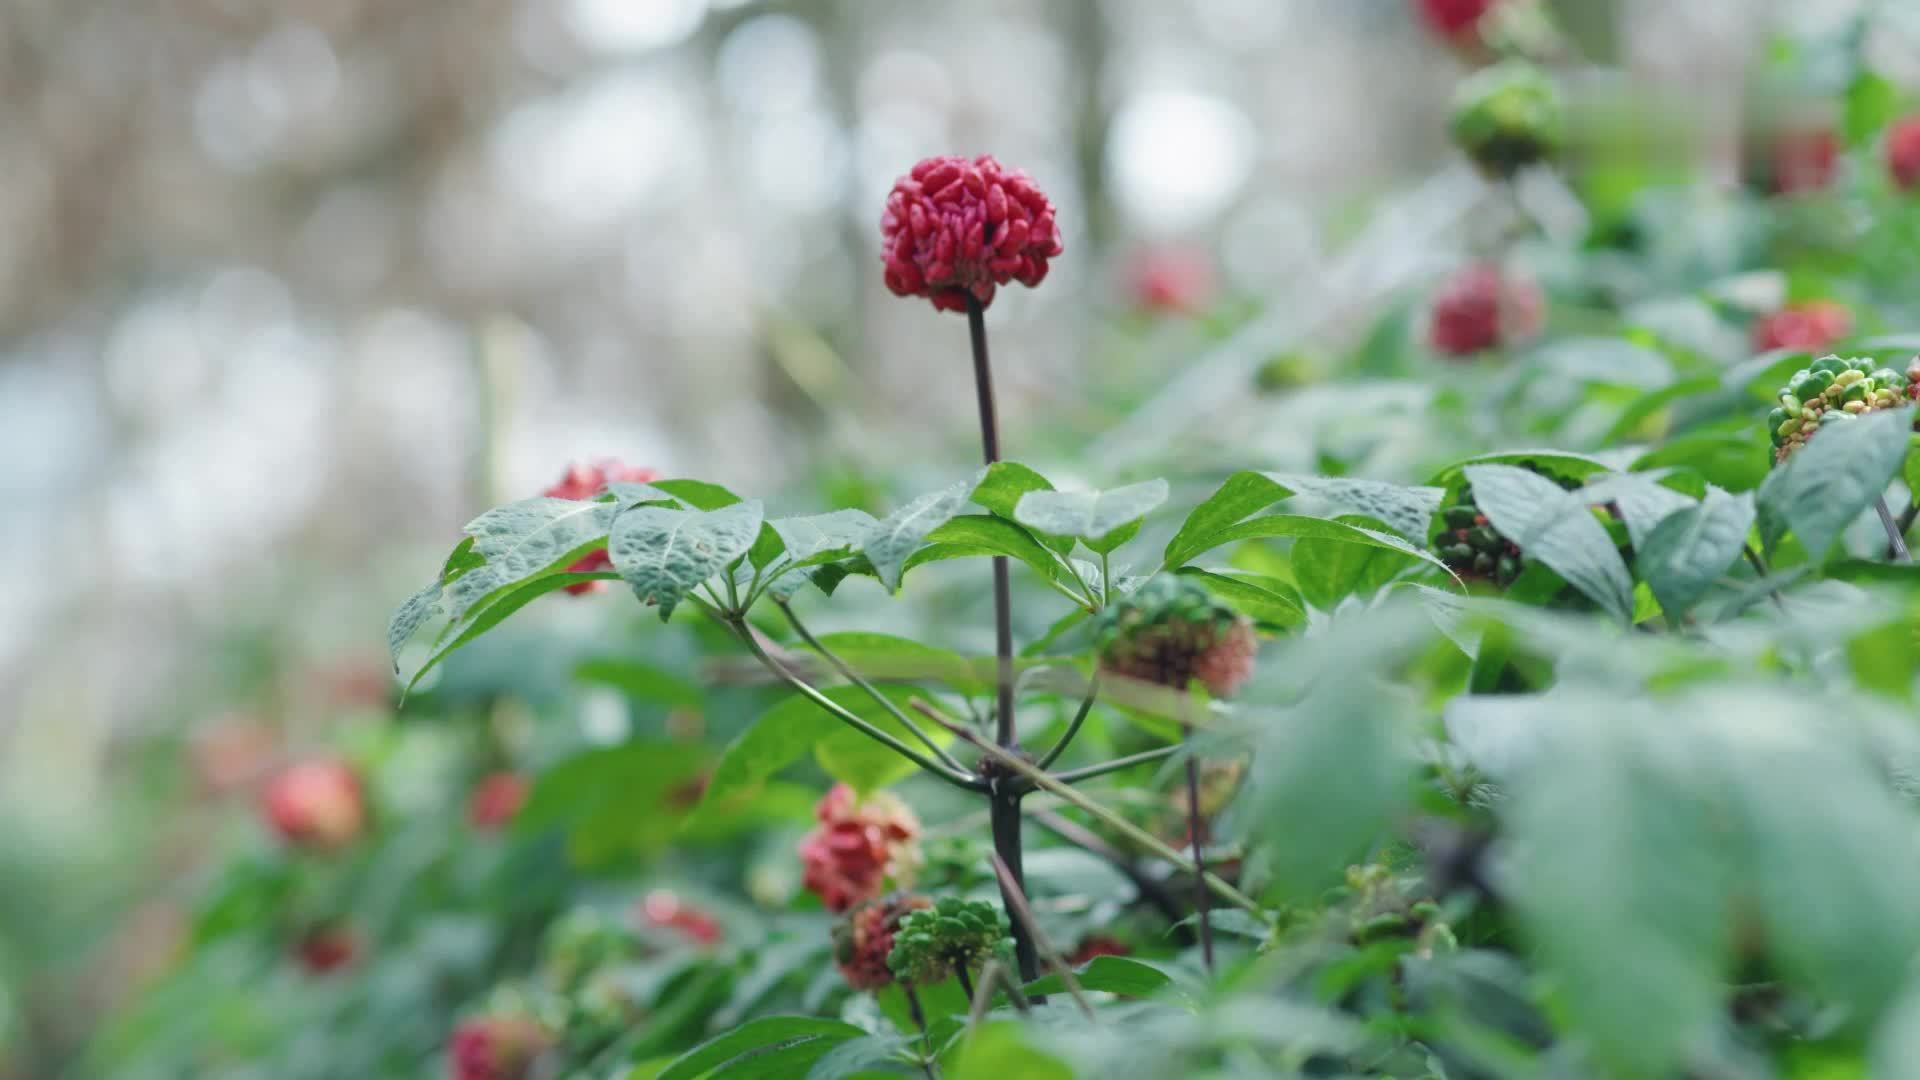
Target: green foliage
x,y
932,943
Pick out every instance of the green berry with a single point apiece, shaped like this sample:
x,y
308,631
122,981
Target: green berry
x,y
1507,117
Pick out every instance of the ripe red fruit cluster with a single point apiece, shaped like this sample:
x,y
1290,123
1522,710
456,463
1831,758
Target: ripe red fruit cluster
x,y
496,799
1804,161
1170,280
1097,945
955,228
1455,18
858,847
664,910
496,1047
316,804
1481,308
1812,326
587,482
862,941
1903,153
327,948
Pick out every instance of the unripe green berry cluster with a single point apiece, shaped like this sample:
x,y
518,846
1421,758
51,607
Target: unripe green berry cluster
x,y
954,933
1472,547
1508,117
1834,390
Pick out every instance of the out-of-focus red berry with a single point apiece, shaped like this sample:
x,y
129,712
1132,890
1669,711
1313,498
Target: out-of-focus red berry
x,y
1481,308
496,799
664,910
864,938
496,1047
316,804
1804,161
1097,945
1170,280
858,847
955,228
327,948
587,482
1812,326
1903,153
1454,19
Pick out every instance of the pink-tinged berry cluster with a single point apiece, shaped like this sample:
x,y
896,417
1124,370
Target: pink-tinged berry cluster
x,y
1481,308
326,948
859,847
663,910
1903,153
587,482
1170,280
955,228
1812,326
1171,631
1803,161
316,804
864,938
1455,18
496,799
500,1046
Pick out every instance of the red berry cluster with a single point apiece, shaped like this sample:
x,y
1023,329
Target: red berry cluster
x,y
496,1047
587,482
496,799
862,941
955,228
1803,161
1903,153
1170,280
326,948
664,910
1455,18
316,805
1813,326
1481,308
857,847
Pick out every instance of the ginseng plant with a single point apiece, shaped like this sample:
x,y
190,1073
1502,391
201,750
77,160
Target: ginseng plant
x,y
954,230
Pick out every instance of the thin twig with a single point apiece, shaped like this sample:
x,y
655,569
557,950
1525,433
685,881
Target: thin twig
x,y
1150,888
995,972
1088,772
1760,567
846,672
966,984
951,776
1017,900
1199,856
1073,728
1896,536
920,1021
1114,821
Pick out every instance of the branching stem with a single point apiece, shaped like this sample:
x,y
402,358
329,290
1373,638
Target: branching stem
x,y
1066,737
846,672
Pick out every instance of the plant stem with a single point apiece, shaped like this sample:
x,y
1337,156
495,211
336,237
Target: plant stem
x,y
1199,855
1066,737
1114,821
846,672
920,1021
1150,888
1023,915
1069,776
806,689
1005,800
966,982
1896,536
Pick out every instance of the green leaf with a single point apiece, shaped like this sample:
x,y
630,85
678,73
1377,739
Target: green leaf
x,y
1689,550
512,599
1329,571
734,1049
1094,517
641,681
1555,527
665,554
523,540
1244,493
614,801
1643,500
1836,476
409,618
893,541
1000,489
796,726
886,658
1604,360
1873,101
1110,975
860,1057
1405,510
1555,463
972,535
820,538
1287,525
1003,1050
1264,599
698,494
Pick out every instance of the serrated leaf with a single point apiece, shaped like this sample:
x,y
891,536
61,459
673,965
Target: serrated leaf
x,y
755,1037
1243,494
973,535
820,537
1274,526
410,617
884,657
1556,528
698,494
1558,463
505,603
1406,510
1263,599
1605,360
1110,975
1836,477
861,1057
1093,517
1329,571
1643,500
892,541
1689,550
666,554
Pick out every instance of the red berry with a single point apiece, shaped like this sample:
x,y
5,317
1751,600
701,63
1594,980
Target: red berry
x,y
1454,18
1170,280
1481,308
1811,326
1097,945
496,1047
316,804
955,228
662,909
861,942
1903,153
327,948
1804,161
586,482
858,847
496,799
